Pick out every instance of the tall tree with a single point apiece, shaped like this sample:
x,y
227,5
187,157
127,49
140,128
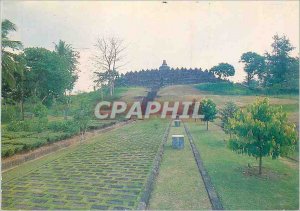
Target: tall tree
x,y
109,58
278,62
254,65
261,130
209,110
48,74
67,52
70,57
9,50
223,70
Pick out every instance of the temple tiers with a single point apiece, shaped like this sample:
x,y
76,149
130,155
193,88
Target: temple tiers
x,y
164,66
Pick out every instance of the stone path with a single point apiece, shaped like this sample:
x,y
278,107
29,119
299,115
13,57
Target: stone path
x,y
108,173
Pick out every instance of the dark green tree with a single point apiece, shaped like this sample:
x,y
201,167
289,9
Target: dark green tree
x,y
254,66
70,56
9,50
261,130
223,70
209,110
226,113
48,74
279,62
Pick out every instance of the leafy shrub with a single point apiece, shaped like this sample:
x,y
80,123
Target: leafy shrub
x,y
67,126
10,149
14,135
32,125
29,143
40,110
57,136
9,113
96,124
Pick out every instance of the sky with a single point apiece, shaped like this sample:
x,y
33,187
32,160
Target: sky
x,y
187,34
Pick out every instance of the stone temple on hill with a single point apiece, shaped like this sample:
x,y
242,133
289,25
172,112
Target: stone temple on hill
x,y
164,66
164,76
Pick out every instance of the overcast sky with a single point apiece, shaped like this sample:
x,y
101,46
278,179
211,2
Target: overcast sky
x,y
186,34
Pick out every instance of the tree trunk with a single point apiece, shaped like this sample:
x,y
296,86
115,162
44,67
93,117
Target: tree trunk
x,y
22,109
206,125
110,89
101,91
260,164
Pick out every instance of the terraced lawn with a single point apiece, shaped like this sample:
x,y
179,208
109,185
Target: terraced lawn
x,y
179,185
107,172
277,189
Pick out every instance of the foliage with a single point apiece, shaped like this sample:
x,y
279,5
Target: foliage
x,y
32,125
70,57
82,118
40,110
209,110
223,70
226,113
254,65
48,76
276,189
68,126
262,130
10,65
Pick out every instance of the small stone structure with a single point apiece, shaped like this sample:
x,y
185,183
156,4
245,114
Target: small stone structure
x,y
178,141
177,123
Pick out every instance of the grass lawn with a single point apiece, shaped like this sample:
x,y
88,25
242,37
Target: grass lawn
x,y
179,185
277,189
108,171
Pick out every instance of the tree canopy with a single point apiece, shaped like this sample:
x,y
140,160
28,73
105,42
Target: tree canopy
x,y
261,130
209,110
223,70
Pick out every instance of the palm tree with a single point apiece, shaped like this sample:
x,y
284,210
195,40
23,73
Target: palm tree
x,y
9,63
71,56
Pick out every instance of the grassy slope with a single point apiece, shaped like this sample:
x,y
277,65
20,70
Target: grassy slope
x,y
236,190
178,185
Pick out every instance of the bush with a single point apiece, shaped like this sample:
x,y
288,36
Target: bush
x,y
68,126
9,149
57,136
29,143
32,125
9,113
13,135
40,110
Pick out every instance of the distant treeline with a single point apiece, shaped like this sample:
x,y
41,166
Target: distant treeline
x,y
163,77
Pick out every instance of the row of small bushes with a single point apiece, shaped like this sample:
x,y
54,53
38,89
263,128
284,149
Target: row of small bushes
x,y
14,140
13,146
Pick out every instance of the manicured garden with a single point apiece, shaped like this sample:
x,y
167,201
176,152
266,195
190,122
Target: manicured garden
x,y
30,134
235,176
107,172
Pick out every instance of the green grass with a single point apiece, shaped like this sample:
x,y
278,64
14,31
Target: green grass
x,y
108,171
179,185
238,191
225,88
